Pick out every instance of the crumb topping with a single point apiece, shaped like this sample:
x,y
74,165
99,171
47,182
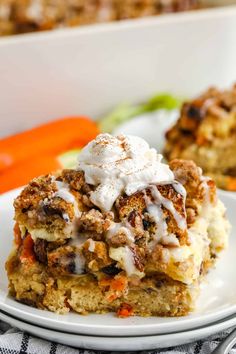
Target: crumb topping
x,y
139,235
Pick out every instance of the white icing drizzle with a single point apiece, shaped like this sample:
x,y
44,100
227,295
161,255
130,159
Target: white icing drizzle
x,y
121,227
179,188
64,192
79,264
146,198
128,261
156,213
66,217
92,245
159,199
170,240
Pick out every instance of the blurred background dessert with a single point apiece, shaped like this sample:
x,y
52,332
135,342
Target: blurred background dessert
x,y
22,16
206,133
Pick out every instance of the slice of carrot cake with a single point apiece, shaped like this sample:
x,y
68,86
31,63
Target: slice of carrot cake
x,y
122,233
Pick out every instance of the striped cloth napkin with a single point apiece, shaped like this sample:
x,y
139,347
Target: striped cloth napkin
x,y
13,341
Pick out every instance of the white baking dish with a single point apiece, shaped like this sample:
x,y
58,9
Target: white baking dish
x,y
88,70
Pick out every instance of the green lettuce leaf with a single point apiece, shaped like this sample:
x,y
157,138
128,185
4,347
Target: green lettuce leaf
x,y
125,112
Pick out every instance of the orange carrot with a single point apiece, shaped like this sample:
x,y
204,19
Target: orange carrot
x,y
51,138
119,283
112,297
21,173
125,310
17,235
115,286
27,253
231,184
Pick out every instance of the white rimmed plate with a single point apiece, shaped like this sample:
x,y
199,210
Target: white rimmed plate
x,y
217,300
121,343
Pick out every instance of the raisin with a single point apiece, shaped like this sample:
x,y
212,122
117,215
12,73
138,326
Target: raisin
x,y
71,267
50,211
40,249
146,224
138,259
131,217
24,210
194,112
186,131
159,283
226,107
111,270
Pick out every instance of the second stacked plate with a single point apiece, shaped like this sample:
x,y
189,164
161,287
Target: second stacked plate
x,y
216,303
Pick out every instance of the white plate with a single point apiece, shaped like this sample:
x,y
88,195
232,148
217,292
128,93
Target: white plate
x,y
217,300
121,343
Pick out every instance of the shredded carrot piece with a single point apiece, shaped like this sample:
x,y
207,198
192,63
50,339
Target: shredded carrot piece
x,y
17,235
119,283
125,310
112,297
114,286
27,252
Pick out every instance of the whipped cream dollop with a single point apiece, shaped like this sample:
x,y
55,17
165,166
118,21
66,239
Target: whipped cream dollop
x,y
120,164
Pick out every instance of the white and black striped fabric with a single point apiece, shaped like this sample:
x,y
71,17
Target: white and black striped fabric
x,y
13,341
